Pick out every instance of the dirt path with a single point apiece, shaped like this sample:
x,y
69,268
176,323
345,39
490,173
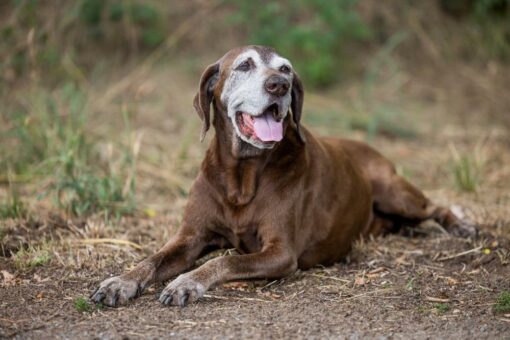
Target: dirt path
x,y
397,287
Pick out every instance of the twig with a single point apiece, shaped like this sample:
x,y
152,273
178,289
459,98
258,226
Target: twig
x,y
433,299
474,250
12,321
364,294
109,240
328,277
234,298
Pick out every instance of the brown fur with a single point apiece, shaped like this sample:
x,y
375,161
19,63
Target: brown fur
x,y
300,204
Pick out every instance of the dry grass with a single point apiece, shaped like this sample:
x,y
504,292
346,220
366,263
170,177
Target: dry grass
x,y
398,283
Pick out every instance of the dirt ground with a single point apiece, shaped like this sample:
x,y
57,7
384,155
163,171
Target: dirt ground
x,y
418,284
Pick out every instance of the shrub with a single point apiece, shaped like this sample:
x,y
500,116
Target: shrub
x,y
313,32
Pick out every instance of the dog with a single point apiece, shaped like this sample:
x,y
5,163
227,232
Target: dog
x,y
283,197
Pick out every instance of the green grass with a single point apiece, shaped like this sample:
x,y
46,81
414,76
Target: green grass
x,y
32,257
50,142
410,284
12,207
3,232
441,307
503,303
82,305
466,174
467,169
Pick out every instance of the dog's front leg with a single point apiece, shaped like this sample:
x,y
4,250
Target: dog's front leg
x,y
177,255
274,261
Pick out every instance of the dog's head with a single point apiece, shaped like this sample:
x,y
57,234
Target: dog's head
x,y
252,89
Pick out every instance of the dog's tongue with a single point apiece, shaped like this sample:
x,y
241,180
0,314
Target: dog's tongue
x,y
267,128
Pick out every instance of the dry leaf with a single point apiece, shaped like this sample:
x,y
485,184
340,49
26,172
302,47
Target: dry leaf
x,y
272,295
377,270
359,281
8,278
451,281
402,260
242,286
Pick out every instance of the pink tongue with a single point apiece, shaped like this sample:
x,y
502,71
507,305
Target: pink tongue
x,y
267,128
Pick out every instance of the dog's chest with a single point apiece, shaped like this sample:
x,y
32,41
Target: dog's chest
x,y
242,236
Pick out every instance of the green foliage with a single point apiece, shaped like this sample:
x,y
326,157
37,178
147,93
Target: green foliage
x,y
45,33
82,305
143,18
50,140
12,207
32,257
489,25
410,284
493,20
466,174
467,169
503,303
90,11
441,307
313,32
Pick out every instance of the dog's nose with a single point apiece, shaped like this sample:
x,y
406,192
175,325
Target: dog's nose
x,y
277,85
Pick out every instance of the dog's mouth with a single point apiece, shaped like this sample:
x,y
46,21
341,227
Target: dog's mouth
x,y
266,127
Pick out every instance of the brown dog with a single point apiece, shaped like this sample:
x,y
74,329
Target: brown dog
x,y
282,197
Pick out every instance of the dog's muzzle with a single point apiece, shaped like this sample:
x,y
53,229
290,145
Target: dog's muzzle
x,y
266,127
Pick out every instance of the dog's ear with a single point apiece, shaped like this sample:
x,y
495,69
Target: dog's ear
x,y
297,104
204,97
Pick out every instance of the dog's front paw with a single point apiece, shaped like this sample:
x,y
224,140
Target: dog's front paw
x,y
181,291
464,229
116,291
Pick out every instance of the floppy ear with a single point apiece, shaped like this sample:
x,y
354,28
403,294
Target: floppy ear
x,y
204,97
297,104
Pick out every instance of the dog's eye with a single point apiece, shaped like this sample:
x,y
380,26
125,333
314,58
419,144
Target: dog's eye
x,y
244,66
285,69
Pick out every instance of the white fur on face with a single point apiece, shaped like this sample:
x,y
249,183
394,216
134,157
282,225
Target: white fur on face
x,y
244,91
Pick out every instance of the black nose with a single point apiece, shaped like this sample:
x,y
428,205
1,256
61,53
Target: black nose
x,y
277,85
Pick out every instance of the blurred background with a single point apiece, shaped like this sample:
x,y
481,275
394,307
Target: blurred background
x,y
95,95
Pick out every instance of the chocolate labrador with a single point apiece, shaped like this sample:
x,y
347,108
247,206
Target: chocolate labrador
x,y
283,197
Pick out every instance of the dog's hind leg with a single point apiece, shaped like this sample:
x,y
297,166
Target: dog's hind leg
x,y
400,201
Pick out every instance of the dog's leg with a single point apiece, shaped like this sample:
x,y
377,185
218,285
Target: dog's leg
x,y
176,256
401,199
273,262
